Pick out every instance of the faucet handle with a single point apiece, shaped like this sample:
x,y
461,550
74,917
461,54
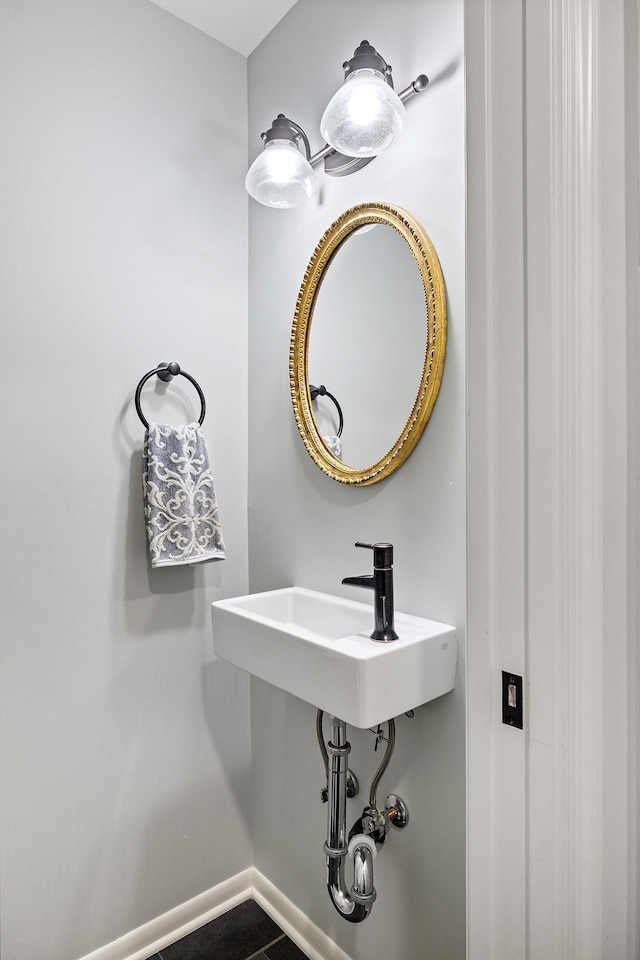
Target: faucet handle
x,y
382,553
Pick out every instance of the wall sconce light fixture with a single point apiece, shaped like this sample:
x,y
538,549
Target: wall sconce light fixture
x,y
361,120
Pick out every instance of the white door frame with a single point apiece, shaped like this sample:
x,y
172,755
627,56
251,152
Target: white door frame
x,y
552,240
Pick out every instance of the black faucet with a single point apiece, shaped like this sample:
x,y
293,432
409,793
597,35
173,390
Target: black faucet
x,y
381,582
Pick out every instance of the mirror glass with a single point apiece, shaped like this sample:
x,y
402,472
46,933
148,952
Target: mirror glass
x,y
370,328
367,342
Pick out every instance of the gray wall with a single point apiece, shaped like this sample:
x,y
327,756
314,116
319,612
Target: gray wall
x,y
302,526
122,244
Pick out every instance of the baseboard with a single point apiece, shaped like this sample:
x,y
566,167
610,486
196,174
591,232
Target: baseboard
x,y
151,937
294,922
146,940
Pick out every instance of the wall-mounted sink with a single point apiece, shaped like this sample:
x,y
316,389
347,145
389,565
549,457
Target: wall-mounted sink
x,y
317,647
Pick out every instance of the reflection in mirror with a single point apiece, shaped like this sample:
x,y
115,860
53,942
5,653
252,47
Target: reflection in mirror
x,y
373,326
330,434
368,339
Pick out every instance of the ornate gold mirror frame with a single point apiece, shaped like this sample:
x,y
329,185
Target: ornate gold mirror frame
x,y
436,334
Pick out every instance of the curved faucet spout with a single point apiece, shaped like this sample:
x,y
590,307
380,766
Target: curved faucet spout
x,y
381,582
365,581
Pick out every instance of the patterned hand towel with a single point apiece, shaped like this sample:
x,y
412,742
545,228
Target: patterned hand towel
x,y
180,503
335,446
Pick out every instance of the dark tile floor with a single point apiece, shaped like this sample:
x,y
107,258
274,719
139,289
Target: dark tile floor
x,y
244,933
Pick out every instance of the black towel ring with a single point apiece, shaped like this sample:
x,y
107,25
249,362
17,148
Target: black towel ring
x,y
322,391
166,372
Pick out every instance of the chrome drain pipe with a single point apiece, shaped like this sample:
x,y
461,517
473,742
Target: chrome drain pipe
x,y
354,905
368,832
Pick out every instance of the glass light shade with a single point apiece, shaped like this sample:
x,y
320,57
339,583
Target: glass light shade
x,y
281,176
364,117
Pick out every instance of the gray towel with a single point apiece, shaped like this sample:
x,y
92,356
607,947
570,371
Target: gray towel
x,y
180,503
335,446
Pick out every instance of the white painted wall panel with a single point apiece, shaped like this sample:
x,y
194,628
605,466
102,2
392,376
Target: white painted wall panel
x,y
569,780
303,525
122,244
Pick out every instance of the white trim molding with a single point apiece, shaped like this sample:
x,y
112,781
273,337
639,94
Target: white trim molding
x,y
496,852
184,919
310,938
553,420
565,481
176,923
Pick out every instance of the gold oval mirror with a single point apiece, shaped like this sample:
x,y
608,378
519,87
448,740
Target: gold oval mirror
x,y
374,363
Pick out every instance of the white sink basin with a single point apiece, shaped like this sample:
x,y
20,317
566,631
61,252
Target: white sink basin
x,y
318,648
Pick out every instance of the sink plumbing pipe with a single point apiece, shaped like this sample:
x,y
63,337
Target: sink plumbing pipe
x,y
368,832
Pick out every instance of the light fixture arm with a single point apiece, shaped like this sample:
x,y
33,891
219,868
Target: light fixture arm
x,y
320,155
283,128
420,83
366,57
